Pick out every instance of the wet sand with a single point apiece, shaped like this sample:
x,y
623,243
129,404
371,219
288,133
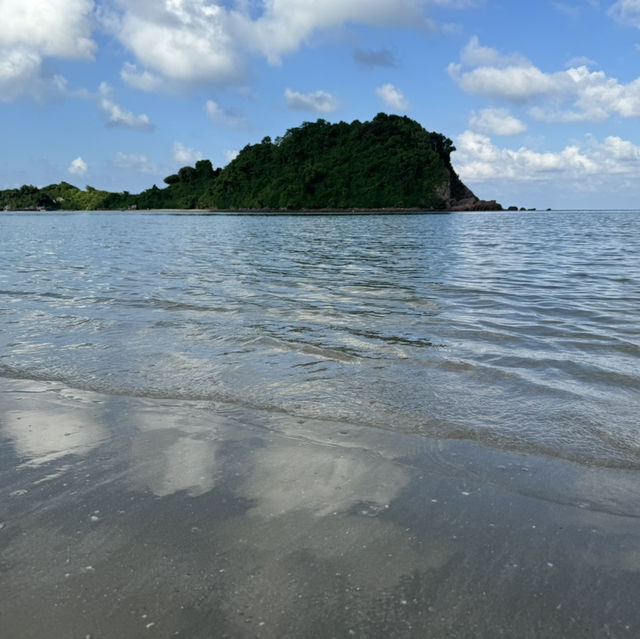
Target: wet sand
x,y
135,517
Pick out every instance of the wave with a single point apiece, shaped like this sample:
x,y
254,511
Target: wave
x,y
601,447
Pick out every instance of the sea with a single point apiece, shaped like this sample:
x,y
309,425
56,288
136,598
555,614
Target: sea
x,y
520,330
402,425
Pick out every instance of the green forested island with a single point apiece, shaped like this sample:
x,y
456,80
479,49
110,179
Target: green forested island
x,y
391,162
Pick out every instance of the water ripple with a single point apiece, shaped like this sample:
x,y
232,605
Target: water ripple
x,y
521,330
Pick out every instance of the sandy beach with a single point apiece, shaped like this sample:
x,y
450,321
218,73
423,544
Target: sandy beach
x,y
131,517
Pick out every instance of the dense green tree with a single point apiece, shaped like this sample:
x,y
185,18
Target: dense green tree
x,y
388,162
186,189
391,161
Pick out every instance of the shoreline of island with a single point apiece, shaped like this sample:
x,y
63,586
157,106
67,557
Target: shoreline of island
x,y
483,206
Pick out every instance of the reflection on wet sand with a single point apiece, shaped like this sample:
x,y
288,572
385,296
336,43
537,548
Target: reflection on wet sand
x,y
170,454
44,426
323,549
202,520
320,479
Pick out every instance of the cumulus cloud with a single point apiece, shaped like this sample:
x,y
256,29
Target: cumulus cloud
x,y
575,94
78,167
199,41
116,115
512,77
477,158
227,117
185,41
184,155
496,122
135,162
56,28
31,32
374,58
286,24
317,101
19,72
620,151
474,55
393,97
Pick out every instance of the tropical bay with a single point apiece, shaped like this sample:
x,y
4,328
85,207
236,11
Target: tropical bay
x,y
319,320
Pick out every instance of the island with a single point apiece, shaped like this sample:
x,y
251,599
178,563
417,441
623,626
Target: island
x,y
390,163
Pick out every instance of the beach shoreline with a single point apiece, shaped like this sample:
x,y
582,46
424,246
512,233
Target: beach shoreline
x,y
124,515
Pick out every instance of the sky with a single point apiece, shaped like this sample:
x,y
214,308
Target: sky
x,y
541,99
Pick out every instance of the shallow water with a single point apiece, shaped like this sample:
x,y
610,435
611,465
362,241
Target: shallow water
x,y
314,426
125,517
517,330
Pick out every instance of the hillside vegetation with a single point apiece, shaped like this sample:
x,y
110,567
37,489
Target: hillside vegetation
x,y
390,162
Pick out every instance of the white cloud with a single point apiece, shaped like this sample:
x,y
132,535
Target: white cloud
x,y
230,155
318,101
55,28
581,61
594,96
575,94
477,158
78,167
228,117
19,71
286,24
183,41
476,55
31,32
143,80
188,41
496,122
393,97
116,115
184,155
199,41
513,83
627,12
617,149
136,162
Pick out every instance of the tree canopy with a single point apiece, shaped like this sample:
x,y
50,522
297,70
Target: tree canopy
x,y
389,162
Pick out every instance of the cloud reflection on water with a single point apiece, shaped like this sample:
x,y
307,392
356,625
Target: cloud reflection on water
x,y
322,480
44,426
321,528
173,452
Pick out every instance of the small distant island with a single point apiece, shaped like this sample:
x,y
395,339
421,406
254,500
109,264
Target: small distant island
x,y
389,163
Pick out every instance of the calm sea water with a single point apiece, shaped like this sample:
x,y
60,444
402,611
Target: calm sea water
x,y
518,330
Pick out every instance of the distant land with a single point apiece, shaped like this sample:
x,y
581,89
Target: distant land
x,y
389,163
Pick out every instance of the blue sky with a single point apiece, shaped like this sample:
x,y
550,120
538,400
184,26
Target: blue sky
x,y
542,99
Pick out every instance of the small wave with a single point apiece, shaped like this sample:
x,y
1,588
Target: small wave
x,y
160,304
46,295
305,348
614,451
391,339
573,370
471,327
